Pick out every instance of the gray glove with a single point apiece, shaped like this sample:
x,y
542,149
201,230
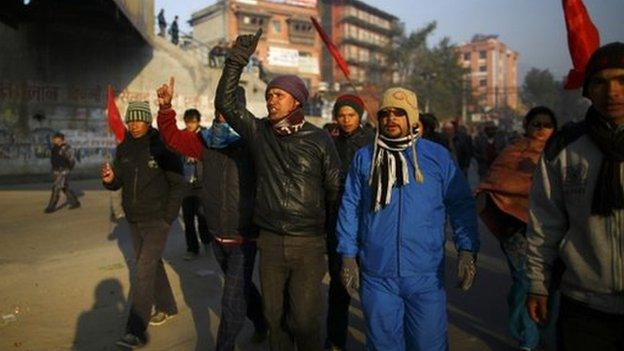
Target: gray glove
x,y
350,275
244,47
466,269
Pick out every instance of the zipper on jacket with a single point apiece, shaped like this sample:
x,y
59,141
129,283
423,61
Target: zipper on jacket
x,y
399,232
134,187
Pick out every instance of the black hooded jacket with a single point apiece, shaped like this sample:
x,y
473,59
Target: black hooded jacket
x,y
150,177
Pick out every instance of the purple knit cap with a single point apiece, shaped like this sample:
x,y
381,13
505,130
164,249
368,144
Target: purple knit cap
x,y
291,84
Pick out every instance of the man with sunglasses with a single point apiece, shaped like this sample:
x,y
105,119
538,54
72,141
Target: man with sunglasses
x,y
577,215
391,224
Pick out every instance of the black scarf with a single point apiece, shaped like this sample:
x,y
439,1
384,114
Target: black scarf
x,y
609,192
389,168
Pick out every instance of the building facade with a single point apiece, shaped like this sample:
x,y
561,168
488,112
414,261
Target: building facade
x,y
363,34
289,44
493,73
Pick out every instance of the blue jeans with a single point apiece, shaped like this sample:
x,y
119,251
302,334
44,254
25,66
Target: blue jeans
x,y
521,327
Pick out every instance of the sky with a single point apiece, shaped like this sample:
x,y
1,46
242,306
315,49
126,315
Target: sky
x,y
533,28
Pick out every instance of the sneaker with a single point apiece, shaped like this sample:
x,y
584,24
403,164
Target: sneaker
x,y
259,337
190,256
74,205
159,318
130,341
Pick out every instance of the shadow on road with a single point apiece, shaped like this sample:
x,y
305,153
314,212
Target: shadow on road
x,y
200,284
109,305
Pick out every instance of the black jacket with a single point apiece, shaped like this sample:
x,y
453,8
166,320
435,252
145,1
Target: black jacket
x,y
228,189
62,158
298,176
348,144
151,178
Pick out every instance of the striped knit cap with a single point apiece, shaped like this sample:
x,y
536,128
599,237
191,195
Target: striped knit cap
x,y
138,111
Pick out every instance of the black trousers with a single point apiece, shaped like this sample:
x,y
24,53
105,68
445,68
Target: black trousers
x,y
291,273
191,209
151,288
582,328
240,296
338,301
61,184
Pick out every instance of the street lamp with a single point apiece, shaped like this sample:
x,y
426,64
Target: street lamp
x,y
428,77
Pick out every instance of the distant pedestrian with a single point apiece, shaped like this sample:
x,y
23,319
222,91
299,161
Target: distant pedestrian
x,y
174,31
460,145
504,207
162,23
430,126
150,177
191,204
487,146
63,161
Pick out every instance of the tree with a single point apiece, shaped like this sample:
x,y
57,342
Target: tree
x,y
434,73
541,89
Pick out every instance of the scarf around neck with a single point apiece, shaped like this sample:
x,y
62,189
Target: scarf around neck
x,y
289,124
390,167
609,192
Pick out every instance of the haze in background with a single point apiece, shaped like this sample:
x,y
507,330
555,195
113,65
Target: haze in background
x,y
533,28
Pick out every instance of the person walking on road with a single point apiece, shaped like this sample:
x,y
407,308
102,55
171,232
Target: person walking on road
x,y
150,177
298,181
391,228
63,161
577,215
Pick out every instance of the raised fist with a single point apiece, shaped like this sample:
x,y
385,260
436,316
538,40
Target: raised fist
x,y
244,46
165,93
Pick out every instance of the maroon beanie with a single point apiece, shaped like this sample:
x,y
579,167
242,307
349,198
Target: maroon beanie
x,y
349,100
291,84
607,56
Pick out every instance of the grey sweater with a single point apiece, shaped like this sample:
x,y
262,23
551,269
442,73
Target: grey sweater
x,y
561,225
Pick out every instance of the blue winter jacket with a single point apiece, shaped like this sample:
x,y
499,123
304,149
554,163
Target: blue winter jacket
x,y
407,236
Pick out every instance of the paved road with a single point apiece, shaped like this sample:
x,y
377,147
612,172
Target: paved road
x,y
65,276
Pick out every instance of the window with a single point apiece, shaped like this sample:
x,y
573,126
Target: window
x,y
482,68
246,19
466,56
277,26
482,82
482,54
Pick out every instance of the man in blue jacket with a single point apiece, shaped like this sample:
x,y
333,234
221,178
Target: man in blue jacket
x,y
397,196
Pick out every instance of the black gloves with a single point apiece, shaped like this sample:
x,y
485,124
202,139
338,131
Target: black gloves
x,y
350,275
244,47
466,269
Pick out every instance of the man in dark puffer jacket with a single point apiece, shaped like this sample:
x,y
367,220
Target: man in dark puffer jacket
x,y
298,180
150,177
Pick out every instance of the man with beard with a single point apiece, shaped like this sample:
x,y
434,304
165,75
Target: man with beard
x,y
577,214
298,180
391,224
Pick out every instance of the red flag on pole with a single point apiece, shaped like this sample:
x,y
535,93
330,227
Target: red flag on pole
x,y
583,40
114,118
331,47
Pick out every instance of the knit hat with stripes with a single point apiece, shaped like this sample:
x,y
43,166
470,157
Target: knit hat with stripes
x,y
138,111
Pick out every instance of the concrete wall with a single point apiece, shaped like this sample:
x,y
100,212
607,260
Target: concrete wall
x,y
54,74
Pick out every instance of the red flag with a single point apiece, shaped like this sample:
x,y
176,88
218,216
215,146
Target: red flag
x,y
331,47
114,118
583,40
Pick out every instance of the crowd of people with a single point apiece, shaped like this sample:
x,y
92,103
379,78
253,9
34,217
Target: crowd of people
x,y
370,206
